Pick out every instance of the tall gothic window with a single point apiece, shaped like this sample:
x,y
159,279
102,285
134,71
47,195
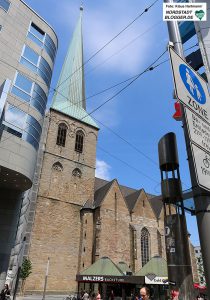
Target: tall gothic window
x,y
145,246
61,136
159,243
79,141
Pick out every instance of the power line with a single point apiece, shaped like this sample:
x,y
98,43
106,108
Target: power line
x,y
98,51
59,92
127,142
101,148
124,47
125,163
149,68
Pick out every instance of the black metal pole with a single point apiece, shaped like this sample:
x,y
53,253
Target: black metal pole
x,y
45,282
201,197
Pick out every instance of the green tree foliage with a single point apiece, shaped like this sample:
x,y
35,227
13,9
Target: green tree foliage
x,y
25,272
25,269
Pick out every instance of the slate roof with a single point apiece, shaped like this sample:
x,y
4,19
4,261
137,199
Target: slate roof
x,y
157,265
103,266
132,198
156,204
101,193
131,195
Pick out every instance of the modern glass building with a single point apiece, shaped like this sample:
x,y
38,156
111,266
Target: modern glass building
x,y
28,47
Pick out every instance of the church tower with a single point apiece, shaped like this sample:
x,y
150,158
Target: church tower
x,y
67,178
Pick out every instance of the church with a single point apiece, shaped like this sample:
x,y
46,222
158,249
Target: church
x,y
79,218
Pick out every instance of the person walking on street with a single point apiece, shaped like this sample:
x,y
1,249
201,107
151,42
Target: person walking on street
x,y
144,293
85,296
175,294
5,293
98,296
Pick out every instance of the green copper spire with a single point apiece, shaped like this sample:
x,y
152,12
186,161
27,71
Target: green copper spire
x,y
69,97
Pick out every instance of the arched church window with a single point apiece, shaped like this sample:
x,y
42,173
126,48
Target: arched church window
x,y
159,240
57,167
61,136
77,173
145,246
79,141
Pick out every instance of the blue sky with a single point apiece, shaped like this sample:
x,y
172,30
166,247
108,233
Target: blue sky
x,y
142,113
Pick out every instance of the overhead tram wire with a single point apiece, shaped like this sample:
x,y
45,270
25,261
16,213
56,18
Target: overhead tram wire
x,y
149,68
109,42
125,163
72,104
117,52
127,142
52,89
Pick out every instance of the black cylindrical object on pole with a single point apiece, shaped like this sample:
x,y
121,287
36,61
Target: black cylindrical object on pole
x,y
176,237
168,154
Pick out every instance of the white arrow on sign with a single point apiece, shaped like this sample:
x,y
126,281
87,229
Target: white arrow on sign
x,y
191,89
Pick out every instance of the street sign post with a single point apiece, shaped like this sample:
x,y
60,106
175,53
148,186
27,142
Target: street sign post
x,y
192,91
200,195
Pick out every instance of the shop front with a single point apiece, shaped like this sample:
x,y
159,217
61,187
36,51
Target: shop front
x,y
109,279
113,282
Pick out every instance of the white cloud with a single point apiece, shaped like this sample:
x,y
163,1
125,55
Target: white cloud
x,y
100,26
102,169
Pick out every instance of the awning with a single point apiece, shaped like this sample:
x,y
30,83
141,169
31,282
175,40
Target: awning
x,y
157,266
105,270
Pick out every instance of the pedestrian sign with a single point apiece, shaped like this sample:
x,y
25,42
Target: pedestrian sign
x,y
191,89
192,84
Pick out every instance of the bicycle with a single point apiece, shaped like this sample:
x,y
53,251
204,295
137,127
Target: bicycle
x,y
206,162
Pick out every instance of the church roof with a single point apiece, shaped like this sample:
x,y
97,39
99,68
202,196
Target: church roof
x,y
132,198
103,266
156,204
69,96
101,193
131,195
157,265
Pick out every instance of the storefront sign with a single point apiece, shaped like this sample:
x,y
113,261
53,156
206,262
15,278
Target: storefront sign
x,y
102,278
109,278
156,280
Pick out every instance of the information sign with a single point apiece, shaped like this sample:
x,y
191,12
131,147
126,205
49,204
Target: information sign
x,y
202,166
192,91
156,280
199,130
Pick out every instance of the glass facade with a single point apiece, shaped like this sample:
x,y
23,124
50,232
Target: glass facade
x,y
37,64
5,4
22,125
43,40
30,92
